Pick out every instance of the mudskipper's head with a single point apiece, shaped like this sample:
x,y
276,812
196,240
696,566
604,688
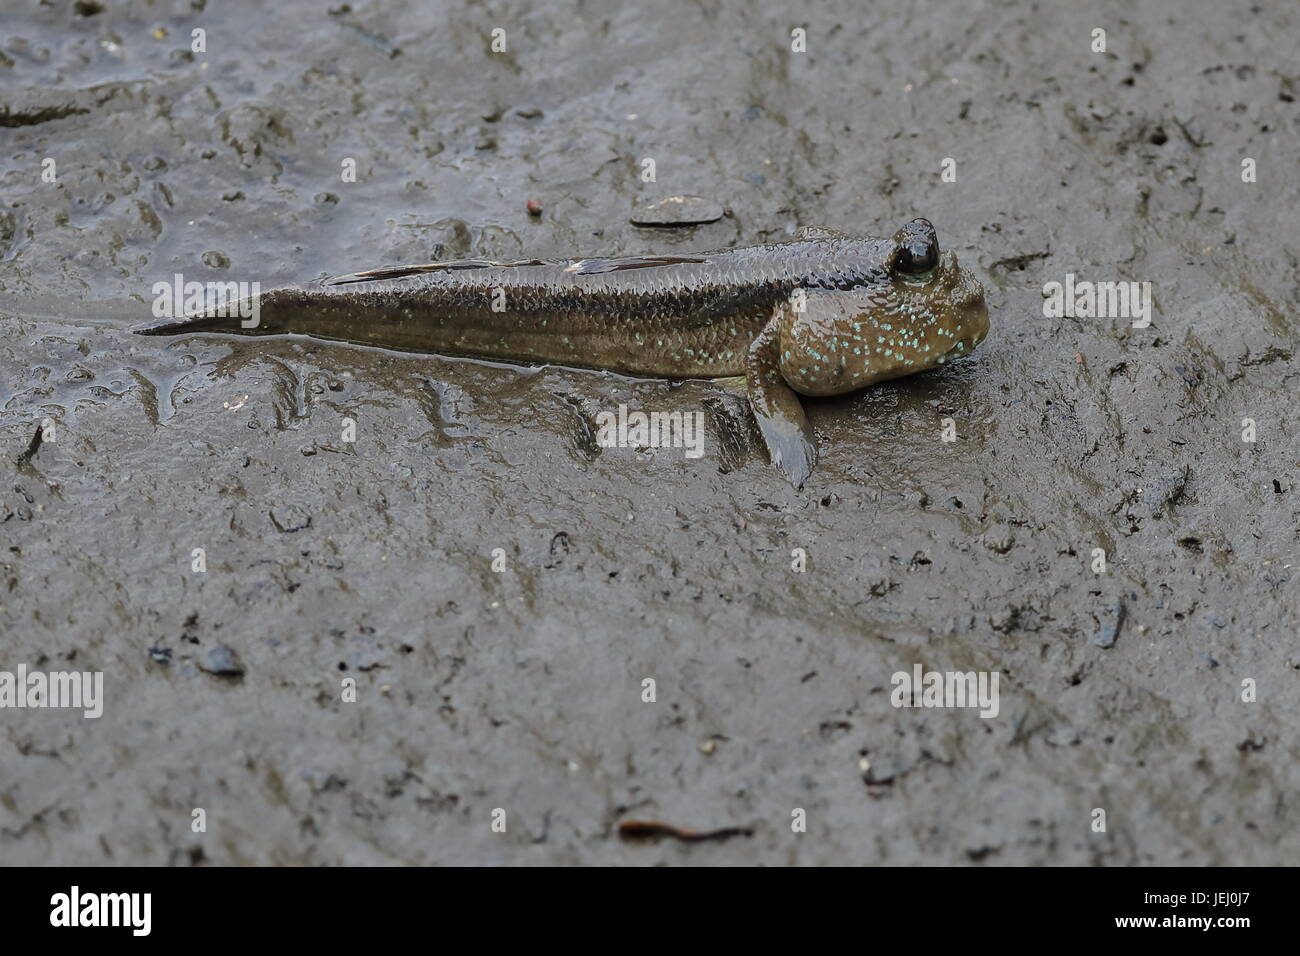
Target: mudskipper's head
x,y
937,300
923,310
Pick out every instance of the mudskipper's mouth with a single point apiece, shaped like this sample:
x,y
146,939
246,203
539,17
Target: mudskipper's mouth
x,y
975,331
956,352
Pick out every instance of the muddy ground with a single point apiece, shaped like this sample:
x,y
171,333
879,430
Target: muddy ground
x,y
522,689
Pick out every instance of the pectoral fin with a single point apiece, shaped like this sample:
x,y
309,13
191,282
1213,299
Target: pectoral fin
x,y
780,414
735,384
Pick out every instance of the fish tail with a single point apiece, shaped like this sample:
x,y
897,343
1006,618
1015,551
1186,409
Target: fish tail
x,y
252,315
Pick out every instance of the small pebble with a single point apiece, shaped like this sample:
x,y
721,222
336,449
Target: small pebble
x,y
290,518
678,211
1109,621
534,207
221,661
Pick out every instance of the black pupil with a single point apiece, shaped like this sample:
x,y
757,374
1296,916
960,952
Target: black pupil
x,y
917,256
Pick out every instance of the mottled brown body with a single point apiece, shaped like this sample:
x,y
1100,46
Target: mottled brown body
x,y
822,314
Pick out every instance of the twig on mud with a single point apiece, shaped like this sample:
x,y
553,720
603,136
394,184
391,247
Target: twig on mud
x,y
652,829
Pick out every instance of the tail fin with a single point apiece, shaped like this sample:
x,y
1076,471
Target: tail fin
x,y
195,323
240,317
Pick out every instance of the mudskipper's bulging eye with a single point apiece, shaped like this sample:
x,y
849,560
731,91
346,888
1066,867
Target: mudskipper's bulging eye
x,y
916,248
917,257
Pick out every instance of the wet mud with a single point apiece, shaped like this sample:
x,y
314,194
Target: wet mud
x,y
521,689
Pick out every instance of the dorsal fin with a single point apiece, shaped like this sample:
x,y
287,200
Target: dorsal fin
x,y
583,267
402,272
819,232
591,267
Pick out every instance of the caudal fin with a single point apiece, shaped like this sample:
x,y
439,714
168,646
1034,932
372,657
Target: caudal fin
x,y
242,317
192,323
